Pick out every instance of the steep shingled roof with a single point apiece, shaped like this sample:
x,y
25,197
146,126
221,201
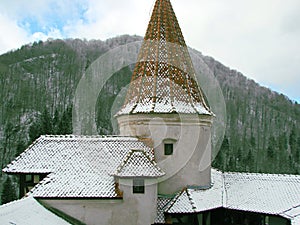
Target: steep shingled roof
x,y
78,166
138,163
164,79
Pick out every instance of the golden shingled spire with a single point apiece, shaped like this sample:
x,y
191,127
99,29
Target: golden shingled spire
x,y
164,79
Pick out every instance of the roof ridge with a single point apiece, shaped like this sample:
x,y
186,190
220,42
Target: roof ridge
x,y
256,173
83,136
191,200
294,207
180,195
125,160
172,202
263,174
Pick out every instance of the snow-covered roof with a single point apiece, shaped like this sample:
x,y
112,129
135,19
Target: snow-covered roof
x,y
182,203
163,104
78,166
273,194
263,193
198,200
295,221
293,214
76,185
162,204
164,79
28,211
138,163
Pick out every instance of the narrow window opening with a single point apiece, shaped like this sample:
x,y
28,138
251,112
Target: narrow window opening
x,y
138,186
168,149
36,179
29,178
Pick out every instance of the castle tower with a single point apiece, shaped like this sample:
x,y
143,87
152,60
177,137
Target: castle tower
x,y
165,103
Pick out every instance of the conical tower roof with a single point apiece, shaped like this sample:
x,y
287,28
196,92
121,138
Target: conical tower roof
x,y
164,79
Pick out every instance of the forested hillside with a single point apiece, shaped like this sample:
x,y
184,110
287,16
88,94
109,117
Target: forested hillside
x,y
38,82
263,127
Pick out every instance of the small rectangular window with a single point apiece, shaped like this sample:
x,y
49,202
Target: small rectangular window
x,y
36,179
168,149
138,186
29,178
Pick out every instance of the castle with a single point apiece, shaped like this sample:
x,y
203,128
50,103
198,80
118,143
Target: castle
x,y
158,170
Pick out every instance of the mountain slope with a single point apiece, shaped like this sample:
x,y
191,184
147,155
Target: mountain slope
x,y
38,83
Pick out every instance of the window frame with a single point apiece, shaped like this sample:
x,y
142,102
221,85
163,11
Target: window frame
x,y
29,178
138,186
168,148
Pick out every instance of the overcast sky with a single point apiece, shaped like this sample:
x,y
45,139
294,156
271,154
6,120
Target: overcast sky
x,y
260,38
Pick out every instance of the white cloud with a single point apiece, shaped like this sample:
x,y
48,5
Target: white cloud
x,y
23,22
12,36
258,38
53,33
105,19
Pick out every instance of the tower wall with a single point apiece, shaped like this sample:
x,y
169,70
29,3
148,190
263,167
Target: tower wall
x,y
140,207
190,135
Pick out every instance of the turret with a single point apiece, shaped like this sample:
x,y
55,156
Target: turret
x,y
165,103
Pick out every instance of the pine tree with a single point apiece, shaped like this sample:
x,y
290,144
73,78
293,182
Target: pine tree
x,y
35,130
293,143
250,161
65,123
297,156
46,122
219,161
9,192
271,147
231,164
55,122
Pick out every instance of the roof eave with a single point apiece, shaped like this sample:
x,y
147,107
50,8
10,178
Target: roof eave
x,y
78,198
134,176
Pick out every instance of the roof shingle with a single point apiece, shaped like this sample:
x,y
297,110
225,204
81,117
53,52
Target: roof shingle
x,y
164,79
79,166
138,163
273,194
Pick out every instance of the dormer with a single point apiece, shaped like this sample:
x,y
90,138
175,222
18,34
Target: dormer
x,y
137,177
137,172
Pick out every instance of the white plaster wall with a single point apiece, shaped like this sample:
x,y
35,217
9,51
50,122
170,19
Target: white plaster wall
x,y
142,206
90,212
133,209
190,163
